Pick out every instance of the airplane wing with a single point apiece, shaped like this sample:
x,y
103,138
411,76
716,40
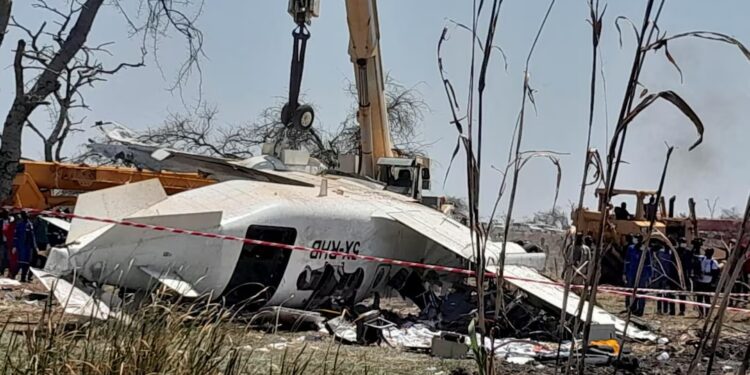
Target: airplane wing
x,y
523,278
157,159
457,238
172,281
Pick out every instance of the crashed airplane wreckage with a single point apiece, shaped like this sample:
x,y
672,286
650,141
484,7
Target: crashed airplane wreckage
x,y
331,213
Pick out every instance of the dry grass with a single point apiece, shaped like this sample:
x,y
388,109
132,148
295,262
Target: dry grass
x,y
164,337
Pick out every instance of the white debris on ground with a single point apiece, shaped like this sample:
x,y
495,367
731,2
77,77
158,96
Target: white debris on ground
x,y
417,336
8,283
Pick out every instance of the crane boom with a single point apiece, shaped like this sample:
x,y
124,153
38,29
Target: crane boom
x,y
406,175
32,186
372,114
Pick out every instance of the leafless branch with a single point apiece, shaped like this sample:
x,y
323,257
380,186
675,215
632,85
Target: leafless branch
x,y
36,130
164,15
18,67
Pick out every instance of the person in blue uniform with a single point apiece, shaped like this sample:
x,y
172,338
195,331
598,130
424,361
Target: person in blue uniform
x,y
25,245
633,256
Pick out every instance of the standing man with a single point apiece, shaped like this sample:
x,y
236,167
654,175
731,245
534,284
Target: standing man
x,y
41,238
709,275
686,261
632,260
650,208
666,279
577,256
25,245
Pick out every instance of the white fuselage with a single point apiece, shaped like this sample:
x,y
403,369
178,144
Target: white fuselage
x,y
342,220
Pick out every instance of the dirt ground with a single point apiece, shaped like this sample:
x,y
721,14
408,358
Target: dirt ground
x,y
269,350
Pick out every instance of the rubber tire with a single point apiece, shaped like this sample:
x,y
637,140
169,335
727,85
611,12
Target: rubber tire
x,y
304,117
286,115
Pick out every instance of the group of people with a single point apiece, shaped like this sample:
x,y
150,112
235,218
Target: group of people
x,y
24,242
660,271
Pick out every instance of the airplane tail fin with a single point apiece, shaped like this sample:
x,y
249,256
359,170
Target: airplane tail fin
x,y
114,203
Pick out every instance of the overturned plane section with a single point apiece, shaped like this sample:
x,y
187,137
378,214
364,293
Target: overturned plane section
x,y
338,214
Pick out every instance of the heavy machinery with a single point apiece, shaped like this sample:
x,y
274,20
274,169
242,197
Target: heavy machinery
x,y
34,185
715,232
377,159
666,225
588,222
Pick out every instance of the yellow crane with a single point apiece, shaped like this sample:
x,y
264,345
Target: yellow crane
x,y
409,176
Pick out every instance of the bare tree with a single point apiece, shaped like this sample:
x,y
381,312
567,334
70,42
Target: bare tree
x,y
712,206
83,70
53,60
198,132
405,108
555,216
730,214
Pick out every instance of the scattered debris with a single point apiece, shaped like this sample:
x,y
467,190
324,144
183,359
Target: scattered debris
x,y
663,357
449,345
277,317
6,283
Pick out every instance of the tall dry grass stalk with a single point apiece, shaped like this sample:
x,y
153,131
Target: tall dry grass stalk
x,y
160,337
473,151
648,38
729,275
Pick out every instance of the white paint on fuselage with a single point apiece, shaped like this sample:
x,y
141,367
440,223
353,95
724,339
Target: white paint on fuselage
x,y
114,256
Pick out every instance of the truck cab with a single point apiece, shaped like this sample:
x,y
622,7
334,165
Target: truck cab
x,y
406,176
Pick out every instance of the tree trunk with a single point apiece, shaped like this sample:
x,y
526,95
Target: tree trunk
x,y
10,151
5,7
46,83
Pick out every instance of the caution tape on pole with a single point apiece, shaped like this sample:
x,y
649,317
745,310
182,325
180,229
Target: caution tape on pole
x,y
370,258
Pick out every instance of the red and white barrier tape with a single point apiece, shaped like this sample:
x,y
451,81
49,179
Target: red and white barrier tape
x,y
608,289
661,291
677,301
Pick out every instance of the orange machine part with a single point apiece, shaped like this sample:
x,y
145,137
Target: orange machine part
x,y
32,187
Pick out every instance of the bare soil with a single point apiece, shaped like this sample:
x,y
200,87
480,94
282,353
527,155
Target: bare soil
x,y
270,350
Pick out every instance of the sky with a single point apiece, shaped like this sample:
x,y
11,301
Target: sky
x,y
246,68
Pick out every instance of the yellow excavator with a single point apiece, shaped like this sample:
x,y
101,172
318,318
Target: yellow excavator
x,y
42,185
377,160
